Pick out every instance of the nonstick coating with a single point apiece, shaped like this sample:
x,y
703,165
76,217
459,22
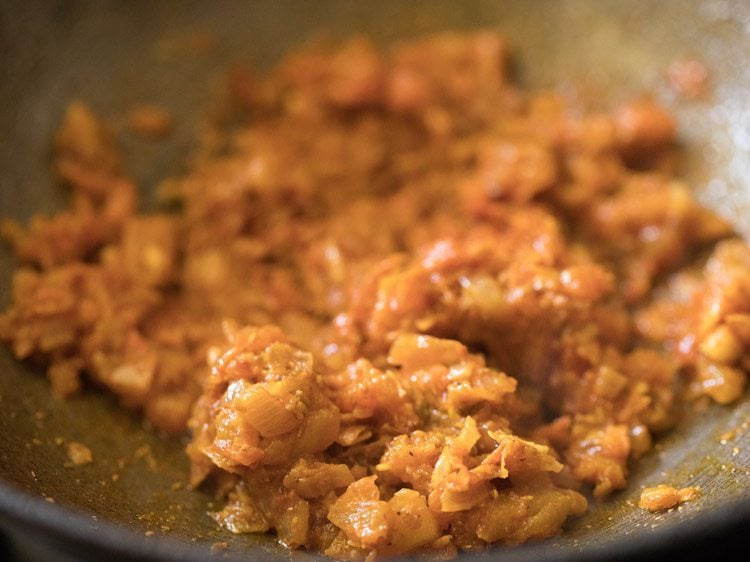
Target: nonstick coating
x,y
131,503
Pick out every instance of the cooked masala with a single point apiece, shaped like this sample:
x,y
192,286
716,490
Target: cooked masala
x,y
664,497
403,306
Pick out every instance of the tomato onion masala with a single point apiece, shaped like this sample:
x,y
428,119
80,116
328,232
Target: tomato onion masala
x,y
403,306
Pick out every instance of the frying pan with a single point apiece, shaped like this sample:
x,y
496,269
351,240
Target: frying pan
x,y
131,502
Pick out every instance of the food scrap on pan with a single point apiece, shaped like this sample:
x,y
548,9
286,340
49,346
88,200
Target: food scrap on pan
x,y
79,454
405,307
664,497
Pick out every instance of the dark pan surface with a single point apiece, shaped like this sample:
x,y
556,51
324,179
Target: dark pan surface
x,y
132,501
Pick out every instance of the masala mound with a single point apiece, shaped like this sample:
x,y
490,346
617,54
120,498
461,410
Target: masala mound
x,y
403,306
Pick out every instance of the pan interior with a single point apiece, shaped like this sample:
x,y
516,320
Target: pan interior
x,y
114,55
